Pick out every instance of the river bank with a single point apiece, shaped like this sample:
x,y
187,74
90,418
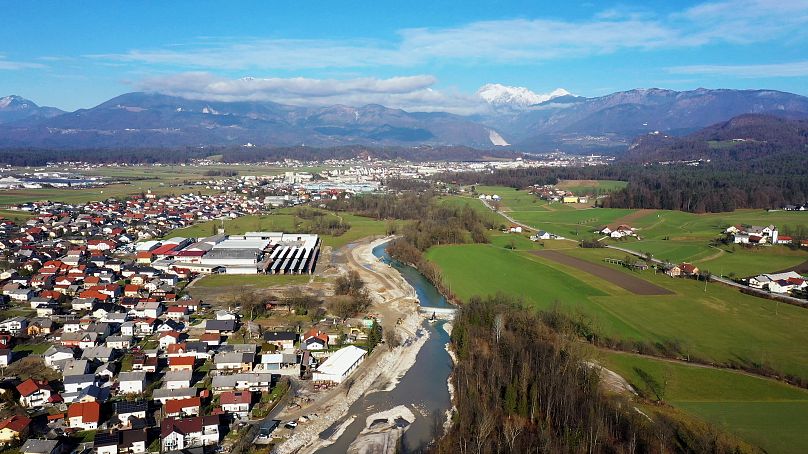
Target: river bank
x,y
395,301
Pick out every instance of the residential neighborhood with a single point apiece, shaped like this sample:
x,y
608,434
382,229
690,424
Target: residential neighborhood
x,y
102,348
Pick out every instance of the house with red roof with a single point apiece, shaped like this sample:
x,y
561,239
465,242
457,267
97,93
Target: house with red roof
x,y
35,393
314,339
168,338
688,269
177,408
237,403
14,428
185,362
84,415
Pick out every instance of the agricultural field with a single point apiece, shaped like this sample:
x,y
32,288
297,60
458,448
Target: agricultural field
x,y
717,324
764,412
591,187
15,215
668,235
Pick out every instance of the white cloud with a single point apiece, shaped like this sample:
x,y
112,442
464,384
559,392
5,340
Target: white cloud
x,y
412,93
10,65
515,41
793,69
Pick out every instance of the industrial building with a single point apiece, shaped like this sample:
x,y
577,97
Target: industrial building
x,y
339,365
251,253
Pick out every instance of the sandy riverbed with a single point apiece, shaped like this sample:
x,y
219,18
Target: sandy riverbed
x,y
395,301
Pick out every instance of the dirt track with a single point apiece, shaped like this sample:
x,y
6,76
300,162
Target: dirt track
x,y
632,284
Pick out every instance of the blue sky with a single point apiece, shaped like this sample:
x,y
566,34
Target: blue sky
x,y
417,55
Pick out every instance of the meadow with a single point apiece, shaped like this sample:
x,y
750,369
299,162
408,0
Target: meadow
x,y
668,235
591,187
252,280
767,413
719,324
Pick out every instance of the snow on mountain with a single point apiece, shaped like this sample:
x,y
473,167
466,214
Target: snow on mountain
x,y
14,102
504,95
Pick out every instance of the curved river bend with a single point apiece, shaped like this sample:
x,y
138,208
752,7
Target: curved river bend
x,y
423,389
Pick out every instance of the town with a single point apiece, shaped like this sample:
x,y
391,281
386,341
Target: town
x,y
104,348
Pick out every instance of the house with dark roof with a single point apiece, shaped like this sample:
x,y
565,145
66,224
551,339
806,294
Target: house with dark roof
x,y
134,441
282,339
184,433
220,326
131,413
37,446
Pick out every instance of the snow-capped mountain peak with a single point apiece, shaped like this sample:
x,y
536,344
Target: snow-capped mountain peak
x,y
504,95
14,102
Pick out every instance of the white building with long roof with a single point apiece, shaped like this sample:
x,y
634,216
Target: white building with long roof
x,y
339,365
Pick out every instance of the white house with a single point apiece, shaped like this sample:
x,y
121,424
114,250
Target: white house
x,y
14,325
56,355
34,393
131,382
179,379
237,403
75,383
184,433
84,415
5,357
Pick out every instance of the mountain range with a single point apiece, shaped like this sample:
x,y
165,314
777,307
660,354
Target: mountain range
x,y
511,116
13,108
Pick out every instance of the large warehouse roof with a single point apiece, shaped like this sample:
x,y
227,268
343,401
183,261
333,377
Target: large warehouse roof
x,y
341,361
239,243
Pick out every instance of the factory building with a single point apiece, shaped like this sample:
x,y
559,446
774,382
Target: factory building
x,y
251,253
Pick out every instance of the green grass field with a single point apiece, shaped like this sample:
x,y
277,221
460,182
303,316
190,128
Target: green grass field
x,y
591,187
720,324
764,412
252,280
15,215
669,235
33,349
472,202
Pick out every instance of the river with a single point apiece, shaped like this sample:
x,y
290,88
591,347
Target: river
x,y
423,389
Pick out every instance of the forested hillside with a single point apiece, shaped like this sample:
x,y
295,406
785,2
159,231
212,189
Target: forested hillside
x,y
522,385
746,140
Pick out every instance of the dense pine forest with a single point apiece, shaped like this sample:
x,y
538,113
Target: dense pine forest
x,y
522,384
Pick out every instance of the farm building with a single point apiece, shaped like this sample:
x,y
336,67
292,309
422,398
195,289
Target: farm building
x,y
339,365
